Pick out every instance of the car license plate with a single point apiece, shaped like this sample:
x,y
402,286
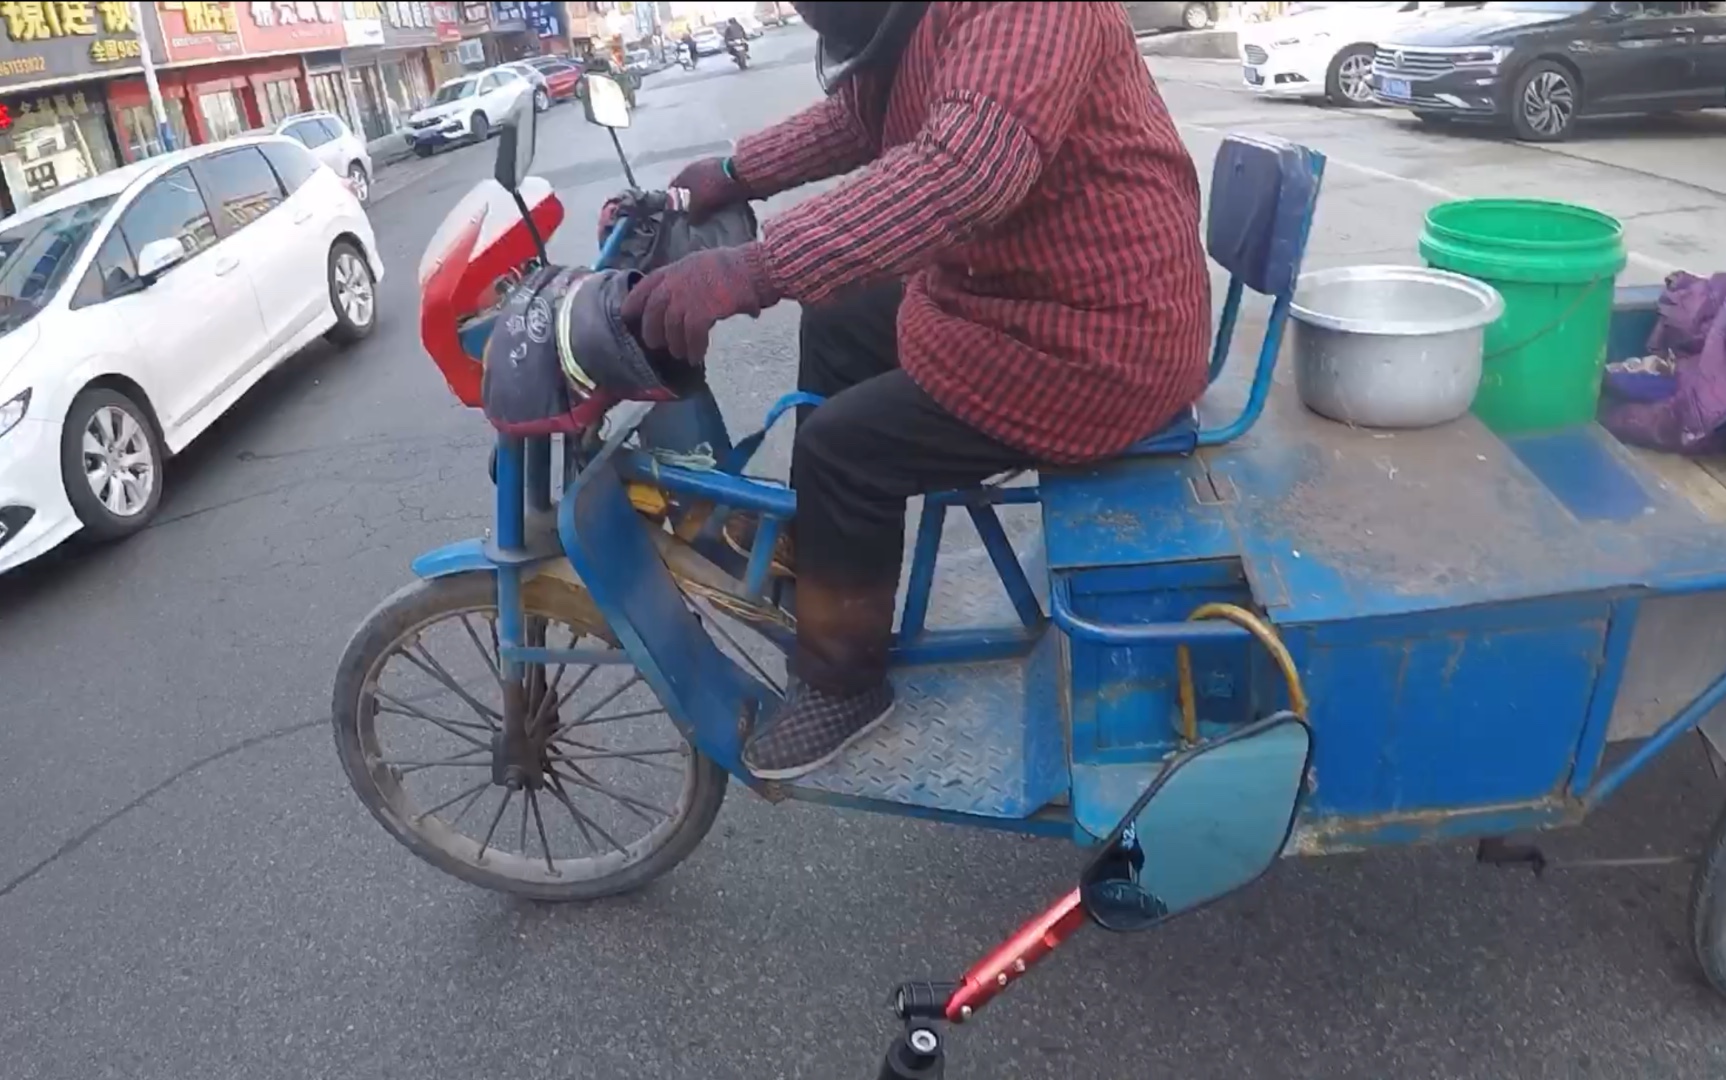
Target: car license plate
x,y
1395,88
1253,76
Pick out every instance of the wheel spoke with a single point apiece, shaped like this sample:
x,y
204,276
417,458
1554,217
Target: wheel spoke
x,y
600,753
539,824
454,727
457,762
490,662
431,667
521,844
471,794
591,721
508,793
630,802
584,821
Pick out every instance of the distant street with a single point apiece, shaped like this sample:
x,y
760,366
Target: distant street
x,y
189,890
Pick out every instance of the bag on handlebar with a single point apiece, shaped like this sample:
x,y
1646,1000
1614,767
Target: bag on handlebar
x,y
561,357
661,232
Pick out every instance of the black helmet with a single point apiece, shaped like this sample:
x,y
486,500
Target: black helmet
x,y
857,34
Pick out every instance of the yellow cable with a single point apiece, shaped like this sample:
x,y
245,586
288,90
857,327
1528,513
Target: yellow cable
x,y
1266,637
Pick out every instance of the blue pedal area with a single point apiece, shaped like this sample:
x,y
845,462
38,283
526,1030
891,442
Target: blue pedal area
x,y
973,738
983,738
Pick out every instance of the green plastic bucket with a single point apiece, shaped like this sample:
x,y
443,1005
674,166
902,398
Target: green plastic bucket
x,y
1556,266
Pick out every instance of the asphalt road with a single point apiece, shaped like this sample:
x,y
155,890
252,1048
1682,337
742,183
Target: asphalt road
x,y
188,889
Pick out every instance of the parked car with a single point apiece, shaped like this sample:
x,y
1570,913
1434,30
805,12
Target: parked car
x,y
466,108
1320,50
1152,18
139,305
751,27
562,76
333,143
708,42
769,14
535,78
1541,66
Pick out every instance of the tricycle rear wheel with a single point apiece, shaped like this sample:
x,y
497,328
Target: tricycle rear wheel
x,y
1708,907
589,791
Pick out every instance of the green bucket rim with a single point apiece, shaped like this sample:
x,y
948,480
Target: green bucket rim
x,y
1615,229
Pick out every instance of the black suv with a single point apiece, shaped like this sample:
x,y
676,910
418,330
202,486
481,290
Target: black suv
x,y
1540,66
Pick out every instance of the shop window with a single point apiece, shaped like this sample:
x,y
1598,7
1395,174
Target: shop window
x,y
223,115
280,99
137,128
170,207
293,165
241,187
54,140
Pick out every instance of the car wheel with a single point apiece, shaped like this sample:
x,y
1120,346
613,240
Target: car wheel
x,y
1348,83
111,463
1544,103
353,294
423,151
361,182
481,127
1196,16
541,100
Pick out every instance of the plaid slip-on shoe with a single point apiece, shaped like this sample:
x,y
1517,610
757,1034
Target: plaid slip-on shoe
x,y
811,728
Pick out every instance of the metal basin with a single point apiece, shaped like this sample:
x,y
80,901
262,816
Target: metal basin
x,y
1390,346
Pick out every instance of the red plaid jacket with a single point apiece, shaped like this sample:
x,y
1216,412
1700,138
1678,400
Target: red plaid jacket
x,y
1026,180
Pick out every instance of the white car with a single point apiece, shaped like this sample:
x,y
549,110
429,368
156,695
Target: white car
x,y
138,306
1320,50
469,107
708,42
333,143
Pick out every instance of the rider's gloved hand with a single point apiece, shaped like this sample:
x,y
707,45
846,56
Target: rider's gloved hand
x,y
674,308
712,186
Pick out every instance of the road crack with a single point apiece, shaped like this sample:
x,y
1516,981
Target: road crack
x,y
87,834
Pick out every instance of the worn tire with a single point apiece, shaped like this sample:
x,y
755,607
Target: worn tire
x,y
480,125
1544,77
101,523
1708,908
421,603
348,328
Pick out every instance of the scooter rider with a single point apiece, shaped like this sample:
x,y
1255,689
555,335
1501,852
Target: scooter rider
x,y
1014,277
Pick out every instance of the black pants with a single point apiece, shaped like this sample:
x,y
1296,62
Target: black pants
x,y
877,441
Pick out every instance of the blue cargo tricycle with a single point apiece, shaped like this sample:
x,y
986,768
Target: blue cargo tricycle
x,y
1262,634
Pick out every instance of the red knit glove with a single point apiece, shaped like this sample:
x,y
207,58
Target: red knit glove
x,y
712,186
676,306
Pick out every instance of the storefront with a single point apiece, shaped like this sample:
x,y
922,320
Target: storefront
x,y
389,75
55,127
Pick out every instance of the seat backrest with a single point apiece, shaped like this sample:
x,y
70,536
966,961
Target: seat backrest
x,y
1263,191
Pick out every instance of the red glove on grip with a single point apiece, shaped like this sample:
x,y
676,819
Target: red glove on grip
x,y
711,186
676,306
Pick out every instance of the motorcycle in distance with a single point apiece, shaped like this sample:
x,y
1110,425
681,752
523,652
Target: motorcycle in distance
x,y
739,50
1211,819
686,56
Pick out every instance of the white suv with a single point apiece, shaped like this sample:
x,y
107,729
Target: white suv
x,y
333,143
138,306
470,107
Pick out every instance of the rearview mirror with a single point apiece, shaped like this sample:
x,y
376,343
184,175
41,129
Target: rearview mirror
x,y
606,104
1213,822
515,142
157,256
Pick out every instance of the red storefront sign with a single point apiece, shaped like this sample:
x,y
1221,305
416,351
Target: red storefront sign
x,y
291,27
217,31
448,25
199,31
